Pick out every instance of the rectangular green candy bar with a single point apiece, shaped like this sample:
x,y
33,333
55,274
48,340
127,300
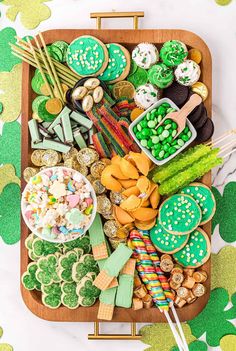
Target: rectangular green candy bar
x,y
55,145
38,146
65,112
67,130
79,139
80,119
59,132
34,131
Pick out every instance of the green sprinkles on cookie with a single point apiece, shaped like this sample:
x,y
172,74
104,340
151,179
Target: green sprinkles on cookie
x,y
69,297
180,214
51,295
118,64
204,198
166,242
87,56
196,252
29,279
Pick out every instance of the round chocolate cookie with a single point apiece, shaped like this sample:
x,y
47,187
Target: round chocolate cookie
x,y
206,132
195,115
202,120
177,93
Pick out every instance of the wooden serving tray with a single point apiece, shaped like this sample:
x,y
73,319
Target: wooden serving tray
x,y
128,38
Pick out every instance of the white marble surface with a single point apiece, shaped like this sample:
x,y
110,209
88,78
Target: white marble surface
x,y
217,26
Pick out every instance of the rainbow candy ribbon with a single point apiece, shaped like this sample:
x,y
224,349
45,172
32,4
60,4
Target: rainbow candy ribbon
x,y
147,271
156,262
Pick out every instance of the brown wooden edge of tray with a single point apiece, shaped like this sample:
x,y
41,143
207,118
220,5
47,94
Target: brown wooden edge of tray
x,y
128,38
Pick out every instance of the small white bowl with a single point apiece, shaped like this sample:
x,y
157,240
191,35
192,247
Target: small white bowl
x,y
35,231
147,152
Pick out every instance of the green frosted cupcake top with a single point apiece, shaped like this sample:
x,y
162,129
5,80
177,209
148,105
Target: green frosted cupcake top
x,y
173,53
196,252
180,214
166,242
85,56
204,198
117,63
160,75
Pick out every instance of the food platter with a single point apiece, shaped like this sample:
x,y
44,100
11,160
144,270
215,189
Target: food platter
x,y
128,38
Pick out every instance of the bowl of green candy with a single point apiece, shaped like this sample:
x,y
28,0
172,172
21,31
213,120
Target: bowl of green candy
x,y
160,144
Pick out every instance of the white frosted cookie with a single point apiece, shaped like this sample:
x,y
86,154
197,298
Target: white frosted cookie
x,y
146,95
145,55
187,73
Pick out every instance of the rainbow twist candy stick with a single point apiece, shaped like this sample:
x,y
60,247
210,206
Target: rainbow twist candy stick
x,y
147,271
156,261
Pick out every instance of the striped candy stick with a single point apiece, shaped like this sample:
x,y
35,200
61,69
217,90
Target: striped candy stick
x,y
156,261
147,271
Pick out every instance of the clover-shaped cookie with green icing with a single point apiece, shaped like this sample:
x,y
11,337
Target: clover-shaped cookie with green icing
x,y
66,263
51,295
86,265
69,296
196,345
43,248
87,292
29,279
47,272
81,242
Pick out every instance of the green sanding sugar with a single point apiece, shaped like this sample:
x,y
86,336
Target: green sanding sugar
x,y
196,251
166,242
180,214
223,2
1,107
139,77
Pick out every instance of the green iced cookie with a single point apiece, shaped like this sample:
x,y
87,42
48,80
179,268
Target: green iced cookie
x,y
139,77
81,242
180,214
51,295
118,64
43,248
63,46
65,264
166,242
69,297
37,101
47,272
29,241
173,53
43,113
87,292
29,279
133,67
204,198
37,81
87,56
196,252
86,265
160,75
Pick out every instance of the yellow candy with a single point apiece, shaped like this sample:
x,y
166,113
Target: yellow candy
x,y
32,197
52,200
36,179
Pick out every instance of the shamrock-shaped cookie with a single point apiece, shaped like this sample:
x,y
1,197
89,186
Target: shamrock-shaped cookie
x,y
87,292
29,279
66,262
29,241
51,295
69,296
86,265
43,248
81,242
47,272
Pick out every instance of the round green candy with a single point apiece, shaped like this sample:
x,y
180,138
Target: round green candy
x,y
174,125
150,143
139,136
172,150
169,139
166,105
180,142
189,134
135,129
155,139
166,242
151,124
159,118
196,252
168,126
157,147
165,133
174,133
144,123
145,132
180,214
166,147
144,142
161,110
161,153
185,137
186,129
139,127
160,130
170,110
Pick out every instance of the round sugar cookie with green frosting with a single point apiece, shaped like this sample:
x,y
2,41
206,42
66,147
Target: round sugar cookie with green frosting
x,y
87,56
180,214
139,77
196,252
118,64
204,198
166,242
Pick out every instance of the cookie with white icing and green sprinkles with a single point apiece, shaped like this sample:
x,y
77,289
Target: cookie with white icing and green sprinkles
x,y
196,252
118,64
166,242
180,214
204,198
87,56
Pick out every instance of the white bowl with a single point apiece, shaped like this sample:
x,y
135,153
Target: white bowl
x,y
147,152
35,231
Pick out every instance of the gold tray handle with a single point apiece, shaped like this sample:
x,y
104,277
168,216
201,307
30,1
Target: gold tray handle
x,y
100,15
97,336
